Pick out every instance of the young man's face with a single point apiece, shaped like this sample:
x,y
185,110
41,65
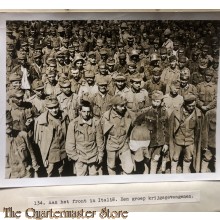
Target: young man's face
x,y
16,84
120,84
208,78
156,103
173,64
75,74
79,64
183,82
54,111
120,109
102,88
190,107
39,93
174,90
136,85
86,113
182,65
90,80
51,78
103,70
66,90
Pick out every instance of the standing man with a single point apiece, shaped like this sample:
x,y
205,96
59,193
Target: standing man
x,y
20,158
84,142
50,135
116,125
185,135
156,119
209,140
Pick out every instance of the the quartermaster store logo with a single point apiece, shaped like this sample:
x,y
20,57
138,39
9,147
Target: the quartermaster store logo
x,y
32,213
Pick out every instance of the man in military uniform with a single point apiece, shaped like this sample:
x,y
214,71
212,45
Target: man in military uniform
x,y
137,98
51,86
155,83
101,99
20,109
91,64
168,43
156,119
116,125
15,81
68,100
120,87
173,101
38,99
122,66
185,87
209,141
185,135
164,58
20,158
207,93
182,66
84,142
171,73
50,134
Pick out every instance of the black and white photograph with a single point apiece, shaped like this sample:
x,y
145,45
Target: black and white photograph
x,y
108,98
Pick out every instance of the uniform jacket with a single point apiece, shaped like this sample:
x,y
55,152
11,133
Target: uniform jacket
x,y
174,122
81,146
107,124
44,133
19,155
209,130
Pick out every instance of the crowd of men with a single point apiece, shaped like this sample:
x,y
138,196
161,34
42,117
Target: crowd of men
x,y
111,97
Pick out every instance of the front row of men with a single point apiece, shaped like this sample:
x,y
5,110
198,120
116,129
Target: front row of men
x,y
120,142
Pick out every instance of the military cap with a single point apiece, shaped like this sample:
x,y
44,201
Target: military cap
x,y
91,54
157,95
9,118
146,47
9,30
60,29
24,43
15,77
205,48
103,51
64,83
102,64
118,100
22,56
154,57
157,40
121,44
51,73
65,40
134,53
130,38
203,64
132,64
78,58
14,93
182,59
163,50
167,32
136,78
175,83
110,61
53,29
157,71
37,85
38,47
89,74
21,28
56,44
122,56
120,77
102,81
215,60
172,58
75,44
51,101
51,60
37,55
209,72
60,54
195,52
184,76
124,25
10,47
189,97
